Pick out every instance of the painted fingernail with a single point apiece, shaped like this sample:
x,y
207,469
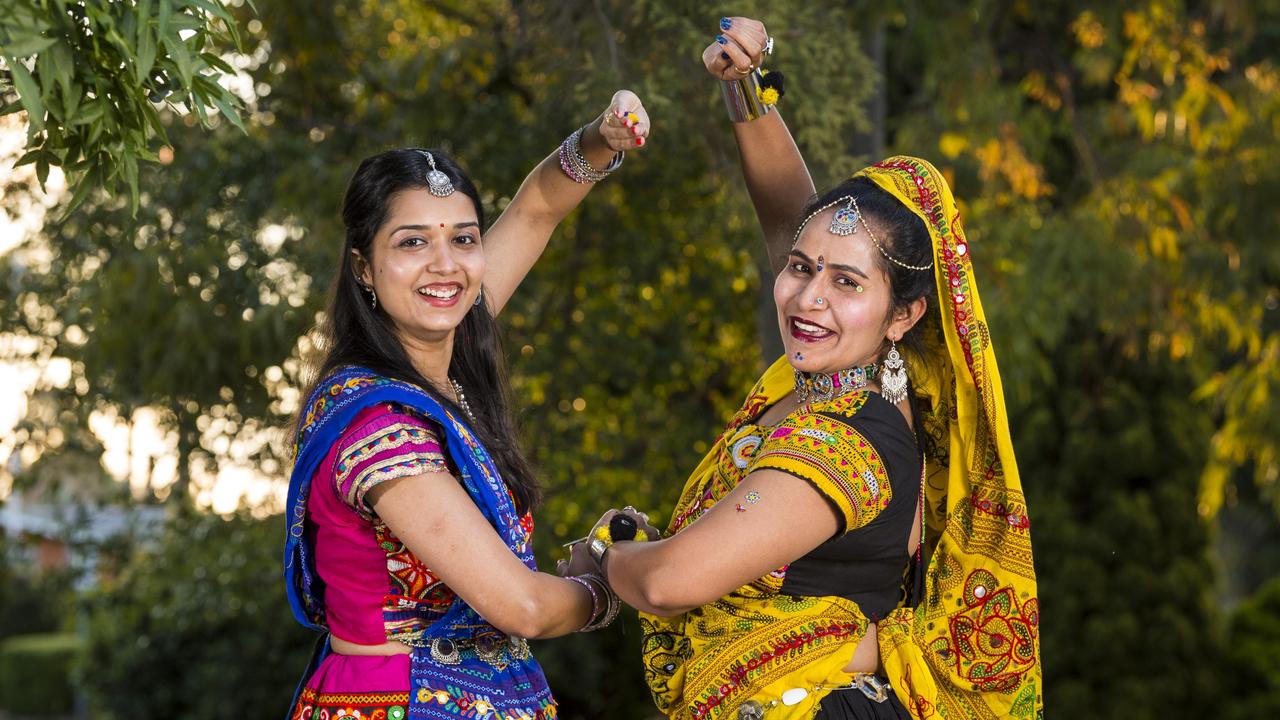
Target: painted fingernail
x,y
724,56
725,23
639,141
635,129
722,40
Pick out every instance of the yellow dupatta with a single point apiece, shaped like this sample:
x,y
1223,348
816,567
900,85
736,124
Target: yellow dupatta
x,y
970,650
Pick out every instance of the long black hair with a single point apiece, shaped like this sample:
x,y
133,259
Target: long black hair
x,y
903,235
356,334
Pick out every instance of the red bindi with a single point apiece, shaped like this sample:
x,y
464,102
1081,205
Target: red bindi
x,y
441,224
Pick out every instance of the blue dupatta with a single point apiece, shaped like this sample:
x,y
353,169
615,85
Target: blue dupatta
x,y
514,688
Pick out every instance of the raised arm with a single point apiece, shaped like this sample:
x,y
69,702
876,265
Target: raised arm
x,y
518,237
776,176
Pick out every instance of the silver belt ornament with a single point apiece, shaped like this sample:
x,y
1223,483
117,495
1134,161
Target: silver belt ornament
x,y
488,648
875,688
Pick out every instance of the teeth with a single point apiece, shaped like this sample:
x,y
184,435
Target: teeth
x,y
806,327
444,294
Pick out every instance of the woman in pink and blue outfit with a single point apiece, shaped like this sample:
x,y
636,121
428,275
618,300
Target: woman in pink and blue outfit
x,y
409,503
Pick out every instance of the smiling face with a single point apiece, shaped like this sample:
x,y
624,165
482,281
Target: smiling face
x,y
426,264
834,299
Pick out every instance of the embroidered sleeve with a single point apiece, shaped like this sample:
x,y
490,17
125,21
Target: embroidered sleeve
x,y
819,446
390,445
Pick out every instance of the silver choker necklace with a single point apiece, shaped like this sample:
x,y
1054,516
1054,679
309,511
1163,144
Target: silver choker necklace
x,y
818,387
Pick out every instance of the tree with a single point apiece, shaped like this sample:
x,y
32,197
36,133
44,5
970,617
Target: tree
x,y
89,76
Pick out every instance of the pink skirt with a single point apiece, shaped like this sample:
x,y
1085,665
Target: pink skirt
x,y
349,686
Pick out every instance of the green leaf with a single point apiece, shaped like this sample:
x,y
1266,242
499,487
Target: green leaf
x,y
27,46
92,112
217,63
130,171
221,101
29,93
162,18
82,189
146,47
181,56
64,70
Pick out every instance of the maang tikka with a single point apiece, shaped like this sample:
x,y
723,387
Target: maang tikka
x,y
845,220
437,182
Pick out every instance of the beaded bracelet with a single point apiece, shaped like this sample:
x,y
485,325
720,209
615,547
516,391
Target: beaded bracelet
x,y
575,165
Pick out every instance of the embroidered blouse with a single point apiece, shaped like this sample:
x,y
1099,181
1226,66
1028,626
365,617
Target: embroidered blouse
x,y
796,626
376,589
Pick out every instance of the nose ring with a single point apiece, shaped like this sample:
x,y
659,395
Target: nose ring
x,y
820,301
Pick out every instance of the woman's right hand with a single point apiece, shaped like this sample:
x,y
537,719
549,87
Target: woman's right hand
x,y
641,520
741,52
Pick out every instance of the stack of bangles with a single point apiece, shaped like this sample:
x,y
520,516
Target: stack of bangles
x,y
576,166
604,602
620,528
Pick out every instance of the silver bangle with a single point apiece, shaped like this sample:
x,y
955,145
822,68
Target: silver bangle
x,y
742,98
575,164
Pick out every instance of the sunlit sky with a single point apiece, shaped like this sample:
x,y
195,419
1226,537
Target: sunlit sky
x,y
137,450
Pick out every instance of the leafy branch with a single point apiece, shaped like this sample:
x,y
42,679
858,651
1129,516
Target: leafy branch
x,y
94,75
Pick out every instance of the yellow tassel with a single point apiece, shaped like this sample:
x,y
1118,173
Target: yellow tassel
x,y
602,533
642,536
768,96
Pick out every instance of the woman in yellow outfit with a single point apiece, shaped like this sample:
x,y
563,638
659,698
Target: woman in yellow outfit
x,y
856,543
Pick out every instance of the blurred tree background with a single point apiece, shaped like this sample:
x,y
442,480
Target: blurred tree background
x,y
1114,164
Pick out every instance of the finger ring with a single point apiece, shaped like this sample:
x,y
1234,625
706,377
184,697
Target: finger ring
x,y
768,46
743,71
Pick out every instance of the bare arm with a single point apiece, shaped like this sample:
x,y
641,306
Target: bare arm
x,y
724,549
519,236
440,524
776,176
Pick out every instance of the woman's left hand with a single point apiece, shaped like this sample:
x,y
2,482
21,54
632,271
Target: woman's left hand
x,y
625,124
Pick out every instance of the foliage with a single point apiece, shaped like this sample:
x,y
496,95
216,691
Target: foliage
x,y
35,674
30,602
90,76
196,626
1253,655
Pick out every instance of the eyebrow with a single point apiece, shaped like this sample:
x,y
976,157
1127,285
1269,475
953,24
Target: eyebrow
x,y
838,266
456,226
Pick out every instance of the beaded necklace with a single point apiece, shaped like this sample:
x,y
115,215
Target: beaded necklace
x,y
462,400
817,387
